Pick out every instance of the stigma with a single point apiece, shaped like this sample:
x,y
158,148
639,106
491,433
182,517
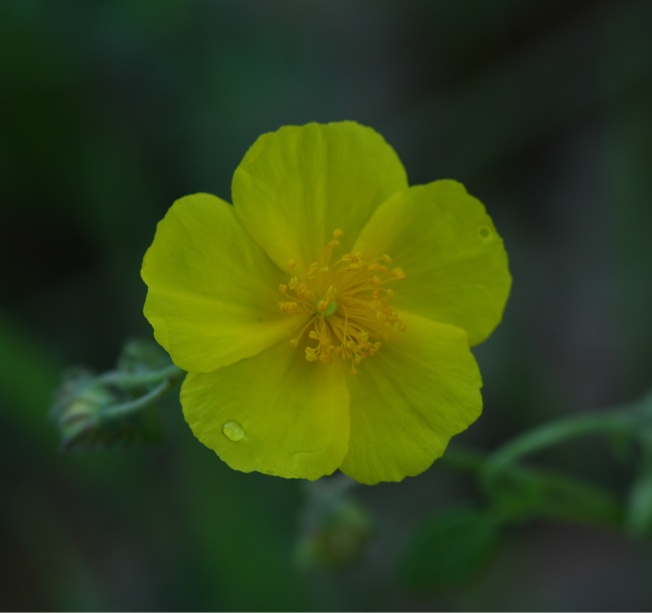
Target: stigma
x,y
347,305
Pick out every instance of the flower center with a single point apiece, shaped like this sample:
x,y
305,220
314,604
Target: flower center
x,y
347,305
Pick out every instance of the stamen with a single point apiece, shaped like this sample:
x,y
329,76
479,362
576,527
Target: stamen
x,y
346,303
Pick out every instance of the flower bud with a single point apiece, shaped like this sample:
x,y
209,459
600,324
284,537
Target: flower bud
x,y
78,409
336,538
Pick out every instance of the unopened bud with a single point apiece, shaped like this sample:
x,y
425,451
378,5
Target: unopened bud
x,y
78,409
95,411
337,538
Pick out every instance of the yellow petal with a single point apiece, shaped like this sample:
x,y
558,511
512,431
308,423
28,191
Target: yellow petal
x,y
409,399
212,292
274,413
454,259
295,186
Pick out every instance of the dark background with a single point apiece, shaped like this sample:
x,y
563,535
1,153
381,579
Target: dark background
x,y
112,110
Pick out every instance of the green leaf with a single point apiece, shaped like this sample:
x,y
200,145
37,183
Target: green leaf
x,y
638,517
449,548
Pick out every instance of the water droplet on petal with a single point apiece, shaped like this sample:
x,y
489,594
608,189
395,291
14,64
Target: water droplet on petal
x,y
484,233
233,431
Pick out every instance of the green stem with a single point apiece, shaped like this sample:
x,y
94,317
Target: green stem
x,y
119,411
524,492
553,434
542,493
170,373
619,420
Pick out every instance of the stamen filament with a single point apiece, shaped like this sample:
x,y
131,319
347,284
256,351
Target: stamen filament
x,y
346,304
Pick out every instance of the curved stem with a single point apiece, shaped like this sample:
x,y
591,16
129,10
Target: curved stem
x,y
555,433
127,408
549,494
556,496
613,421
134,380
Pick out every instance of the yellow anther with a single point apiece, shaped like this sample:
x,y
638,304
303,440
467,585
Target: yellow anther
x,y
345,305
289,307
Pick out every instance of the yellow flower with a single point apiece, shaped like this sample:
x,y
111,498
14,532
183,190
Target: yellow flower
x,y
326,318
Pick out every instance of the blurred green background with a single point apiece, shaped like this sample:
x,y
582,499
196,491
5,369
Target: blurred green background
x,y
112,110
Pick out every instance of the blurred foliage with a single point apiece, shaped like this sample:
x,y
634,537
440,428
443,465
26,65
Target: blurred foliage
x,y
335,529
449,548
113,109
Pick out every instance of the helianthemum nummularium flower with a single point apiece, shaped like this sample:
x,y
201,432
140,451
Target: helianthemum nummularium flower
x,y
326,318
